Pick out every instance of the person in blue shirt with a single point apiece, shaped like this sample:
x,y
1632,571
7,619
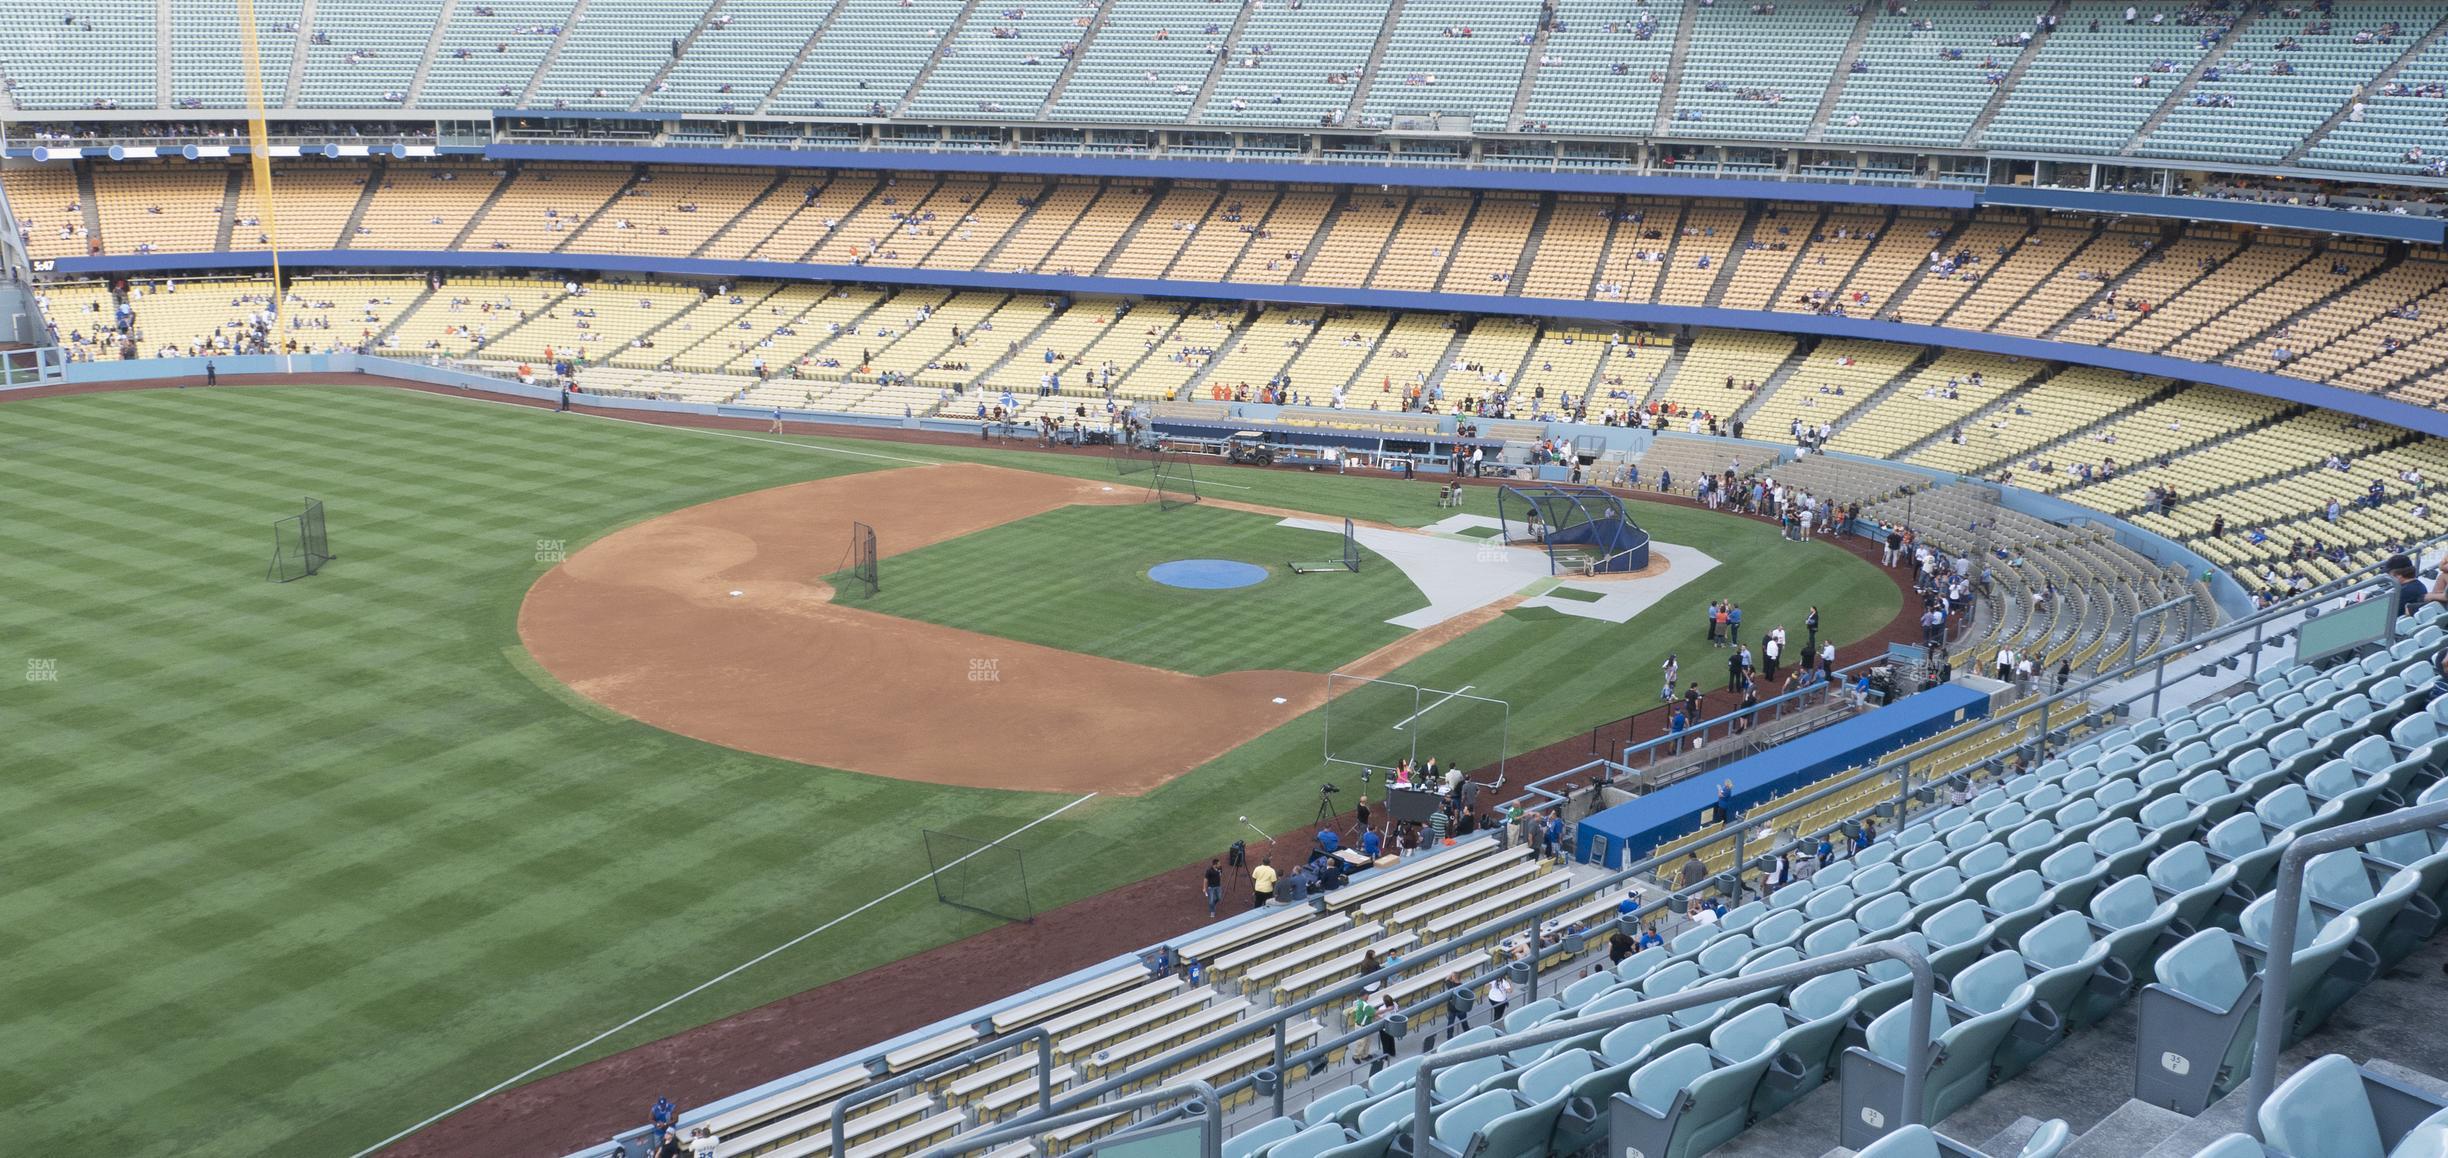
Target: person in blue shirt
x,y
1649,938
1826,851
1554,835
1734,624
1329,840
1631,903
2410,590
1371,843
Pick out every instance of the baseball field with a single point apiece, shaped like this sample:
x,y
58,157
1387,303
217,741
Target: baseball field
x,y
292,867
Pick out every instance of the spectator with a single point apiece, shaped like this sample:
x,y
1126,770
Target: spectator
x,y
1500,996
1695,871
1384,1024
1363,1014
2410,590
1459,999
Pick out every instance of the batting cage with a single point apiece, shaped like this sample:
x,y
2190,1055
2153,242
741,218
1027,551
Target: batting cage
x,y
1583,529
863,557
1377,724
300,544
1349,560
982,876
1175,483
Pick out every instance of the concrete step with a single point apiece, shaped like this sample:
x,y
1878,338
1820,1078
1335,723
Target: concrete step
x,y
2011,1139
2130,1129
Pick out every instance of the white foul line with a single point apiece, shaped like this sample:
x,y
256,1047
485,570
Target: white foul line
x,y
719,978
1432,707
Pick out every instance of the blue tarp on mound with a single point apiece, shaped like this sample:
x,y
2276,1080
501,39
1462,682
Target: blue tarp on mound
x,y
1641,825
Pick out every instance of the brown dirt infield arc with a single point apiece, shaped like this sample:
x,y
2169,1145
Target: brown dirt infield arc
x,y
715,622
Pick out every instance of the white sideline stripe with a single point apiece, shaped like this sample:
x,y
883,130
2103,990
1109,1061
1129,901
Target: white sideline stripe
x,y
719,978
1432,707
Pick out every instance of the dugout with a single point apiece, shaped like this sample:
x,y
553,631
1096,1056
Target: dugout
x,y
1643,824
1307,442
1583,529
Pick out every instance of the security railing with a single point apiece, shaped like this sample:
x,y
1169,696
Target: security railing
x,y
2269,1031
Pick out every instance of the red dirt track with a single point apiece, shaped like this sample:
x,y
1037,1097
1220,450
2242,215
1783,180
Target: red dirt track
x,y
582,1107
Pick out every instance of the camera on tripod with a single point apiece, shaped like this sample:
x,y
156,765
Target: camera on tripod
x,y
1328,790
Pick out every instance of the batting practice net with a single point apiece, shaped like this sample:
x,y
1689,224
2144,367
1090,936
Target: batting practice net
x,y
982,876
863,557
1379,723
1175,483
1349,561
300,544
1130,458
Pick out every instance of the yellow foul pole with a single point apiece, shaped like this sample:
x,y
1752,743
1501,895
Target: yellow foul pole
x,y
259,150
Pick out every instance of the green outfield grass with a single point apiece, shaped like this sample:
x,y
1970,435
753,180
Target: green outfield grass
x,y
1076,578
291,867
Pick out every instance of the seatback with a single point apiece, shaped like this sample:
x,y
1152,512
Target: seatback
x,y
1828,938
1458,1125
1877,878
2206,967
2133,915
1456,1081
2183,874
1904,1142
1954,934
1721,1098
1673,978
1742,917
1724,953
1312,1142
1632,1039
1641,964
1261,1136
1883,915
1778,928
1657,1085
2322,1110
1523,1132
1935,884
1767,959
1556,1075
2064,950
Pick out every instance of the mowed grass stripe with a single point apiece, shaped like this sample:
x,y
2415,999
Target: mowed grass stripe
x,y
296,865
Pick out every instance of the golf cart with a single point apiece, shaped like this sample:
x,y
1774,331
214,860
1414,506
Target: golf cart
x,y
1248,448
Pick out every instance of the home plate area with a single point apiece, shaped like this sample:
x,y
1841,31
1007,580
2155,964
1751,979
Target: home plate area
x,y
1461,566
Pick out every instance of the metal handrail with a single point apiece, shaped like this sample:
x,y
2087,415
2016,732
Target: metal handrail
x,y
840,1116
1211,1123
1916,1062
2270,1020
